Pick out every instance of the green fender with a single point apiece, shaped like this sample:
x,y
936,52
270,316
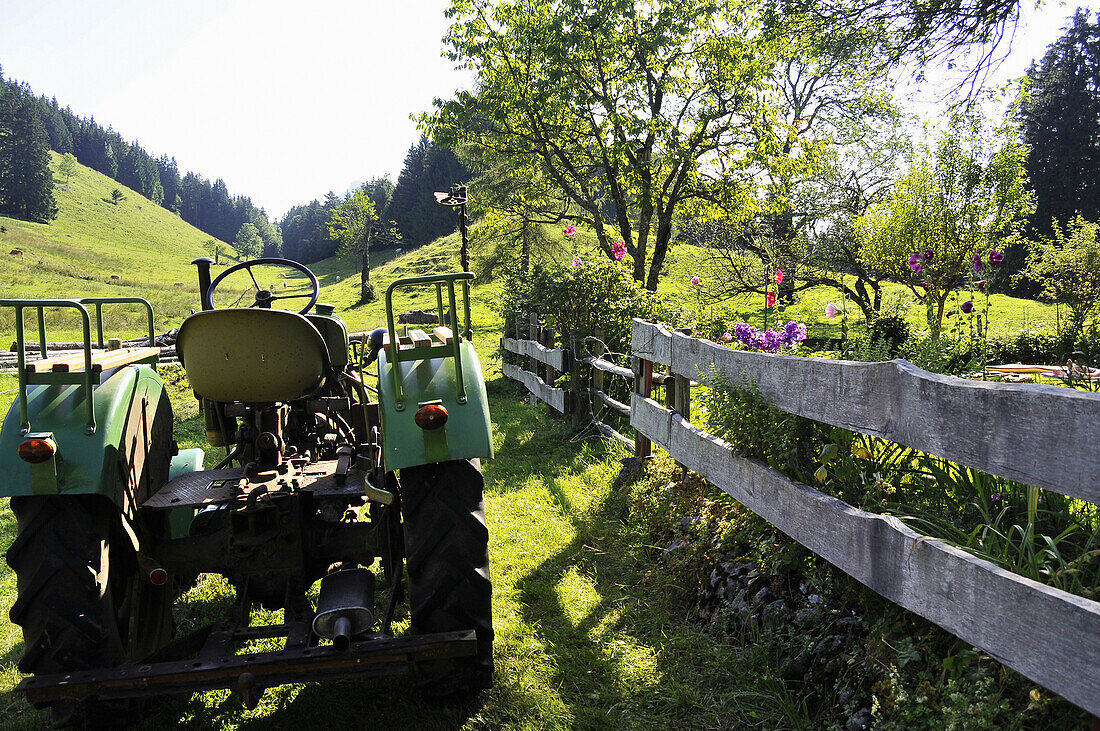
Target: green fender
x,y
467,433
97,463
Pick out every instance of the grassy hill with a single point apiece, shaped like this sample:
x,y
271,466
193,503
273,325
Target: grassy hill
x,y
147,247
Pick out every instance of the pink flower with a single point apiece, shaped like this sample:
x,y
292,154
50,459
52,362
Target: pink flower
x,y
927,284
696,280
831,310
570,230
726,337
779,276
618,250
769,299
577,261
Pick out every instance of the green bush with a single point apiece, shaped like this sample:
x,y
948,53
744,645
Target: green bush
x,y
583,299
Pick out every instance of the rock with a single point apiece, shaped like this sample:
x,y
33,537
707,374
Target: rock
x,y
814,599
773,614
845,696
687,521
669,553
762,597
828,646
809,617
861,719
794,668
849,624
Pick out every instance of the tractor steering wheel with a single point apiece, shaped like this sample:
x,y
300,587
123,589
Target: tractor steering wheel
x,y
265,297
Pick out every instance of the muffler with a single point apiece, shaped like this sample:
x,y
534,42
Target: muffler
x,y
344,608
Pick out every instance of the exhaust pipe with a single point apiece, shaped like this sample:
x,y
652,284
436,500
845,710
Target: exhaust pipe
x,y
344,608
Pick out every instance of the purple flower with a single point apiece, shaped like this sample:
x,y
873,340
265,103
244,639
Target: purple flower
x,y
995,497
929,254
967,307
793,333
927,284
915,263
977,261
980,284
831,310
996,257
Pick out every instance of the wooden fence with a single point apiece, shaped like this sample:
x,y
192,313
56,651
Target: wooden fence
x,y
1044,436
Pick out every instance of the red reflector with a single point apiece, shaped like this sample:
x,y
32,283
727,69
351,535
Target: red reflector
x,y
431,416
158,577
37,451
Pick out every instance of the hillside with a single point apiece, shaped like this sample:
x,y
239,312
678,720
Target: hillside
x,y
92,239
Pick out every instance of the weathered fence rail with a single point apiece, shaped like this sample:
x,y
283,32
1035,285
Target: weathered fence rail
x,y
1043,436
1039,435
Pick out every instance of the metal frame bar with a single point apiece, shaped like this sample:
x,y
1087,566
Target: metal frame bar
x,y
396,356
87,379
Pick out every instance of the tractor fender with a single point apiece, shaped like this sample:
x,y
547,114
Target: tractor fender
x,y
101,463
467,433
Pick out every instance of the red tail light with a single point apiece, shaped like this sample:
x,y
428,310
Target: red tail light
x,y
37,450
431,416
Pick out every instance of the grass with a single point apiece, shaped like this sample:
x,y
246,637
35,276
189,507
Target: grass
x,y
587,635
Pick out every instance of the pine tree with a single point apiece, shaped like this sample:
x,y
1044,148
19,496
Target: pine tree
x,y
1061,125
26,181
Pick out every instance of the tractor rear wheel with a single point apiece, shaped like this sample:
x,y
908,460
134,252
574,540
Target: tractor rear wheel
x,y
81,603
447,550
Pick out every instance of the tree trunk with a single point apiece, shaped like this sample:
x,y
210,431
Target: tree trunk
x,y
366,293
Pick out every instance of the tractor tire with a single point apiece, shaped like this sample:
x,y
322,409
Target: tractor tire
x,y
81,603
447,561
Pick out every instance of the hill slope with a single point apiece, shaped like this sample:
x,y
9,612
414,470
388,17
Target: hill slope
x,y
147,247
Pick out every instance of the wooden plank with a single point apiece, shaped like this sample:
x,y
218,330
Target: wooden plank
x,y
420,339
608,367
60,363
612,434
1038,435
106,360
618,406
557,358
555,397
444,335
652,342
1049,635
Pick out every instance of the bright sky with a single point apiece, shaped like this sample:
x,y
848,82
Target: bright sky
x,y
283,100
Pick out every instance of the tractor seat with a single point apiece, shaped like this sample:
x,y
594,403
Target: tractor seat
x,y
252,355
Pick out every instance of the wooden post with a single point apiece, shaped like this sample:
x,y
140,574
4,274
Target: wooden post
x,y
596,382
682,390
575,377
643,385
547,341
533,334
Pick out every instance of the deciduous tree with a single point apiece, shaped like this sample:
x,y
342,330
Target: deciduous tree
x,y
956,204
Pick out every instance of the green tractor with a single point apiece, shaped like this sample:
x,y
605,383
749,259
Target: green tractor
x,y
324,474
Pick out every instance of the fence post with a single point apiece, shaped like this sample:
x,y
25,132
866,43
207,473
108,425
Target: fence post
x,y
575,378
597,378
533,334
643,385
547,341
682,390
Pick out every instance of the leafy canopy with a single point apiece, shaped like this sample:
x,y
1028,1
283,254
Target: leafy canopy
x,y
958,201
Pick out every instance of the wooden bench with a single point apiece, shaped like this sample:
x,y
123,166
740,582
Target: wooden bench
x,y
102,360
